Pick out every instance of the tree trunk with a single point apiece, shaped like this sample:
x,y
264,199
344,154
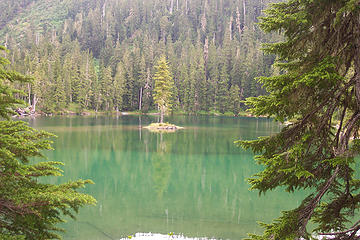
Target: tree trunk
x,y
357,65
140,98
206,53
171,6
104,10
238,23
37,40
6,44
161,114
35,100
244,11
230,28
29,94
53,36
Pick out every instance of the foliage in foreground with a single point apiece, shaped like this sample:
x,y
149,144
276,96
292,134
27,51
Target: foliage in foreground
x,y
320,89
30,209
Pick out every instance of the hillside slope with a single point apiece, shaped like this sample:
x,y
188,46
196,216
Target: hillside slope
x,y
11,9
32,20
100,55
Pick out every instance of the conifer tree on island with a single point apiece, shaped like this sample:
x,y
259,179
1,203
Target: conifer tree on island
x,y
164,85
320,90
29,209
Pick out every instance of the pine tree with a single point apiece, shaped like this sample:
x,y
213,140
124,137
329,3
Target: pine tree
x,y
97,96
201,90
107,90
147,99
320,91
85,80
142,81
234,99
163,87
43,86
222,95
29,209
183,93
67,79
59,86
191,85
130,82
119,86
213,76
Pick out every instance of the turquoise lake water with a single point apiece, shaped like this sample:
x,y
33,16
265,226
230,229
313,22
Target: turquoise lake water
x,y
191,182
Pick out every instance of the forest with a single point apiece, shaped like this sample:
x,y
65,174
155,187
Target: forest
x,y
87,55
196,57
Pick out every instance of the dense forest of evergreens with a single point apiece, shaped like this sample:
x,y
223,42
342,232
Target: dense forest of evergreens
x,y
100,55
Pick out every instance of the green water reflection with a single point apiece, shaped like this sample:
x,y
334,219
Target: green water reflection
x,y
190,182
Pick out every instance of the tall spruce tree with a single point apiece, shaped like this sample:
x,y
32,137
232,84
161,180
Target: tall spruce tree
x,y
29,209
163,87
222,96
320,90
119,86
107,89
234,99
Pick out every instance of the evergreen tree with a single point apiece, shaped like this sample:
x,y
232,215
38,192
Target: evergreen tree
x,y
59,85
29,209
67,79
142,81
182,85
234,99
107,88
97,96
213,75
85,80
43,84
201,83
76,74
130,82
163,87
119,86
191,85
147,100
237,71
320,91
222,90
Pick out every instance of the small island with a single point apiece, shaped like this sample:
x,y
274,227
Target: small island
x,y
159,127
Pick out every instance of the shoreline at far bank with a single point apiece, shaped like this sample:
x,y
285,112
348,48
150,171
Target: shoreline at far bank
x,y
124,113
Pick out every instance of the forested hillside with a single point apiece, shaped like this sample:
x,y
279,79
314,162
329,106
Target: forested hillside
x,y
100,54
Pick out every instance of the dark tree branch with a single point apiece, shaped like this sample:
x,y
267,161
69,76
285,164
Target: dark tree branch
x,y
341,123
354,228
309,209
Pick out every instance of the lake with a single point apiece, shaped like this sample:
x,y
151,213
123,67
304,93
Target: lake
x,y
191,182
